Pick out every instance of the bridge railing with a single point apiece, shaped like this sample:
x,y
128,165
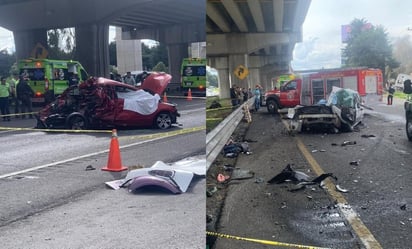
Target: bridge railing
x,y
218,137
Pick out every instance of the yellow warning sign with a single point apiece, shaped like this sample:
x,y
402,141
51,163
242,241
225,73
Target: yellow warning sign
x,y
241,72
39,52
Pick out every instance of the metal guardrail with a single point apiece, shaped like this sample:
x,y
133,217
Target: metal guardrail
x,y
217,138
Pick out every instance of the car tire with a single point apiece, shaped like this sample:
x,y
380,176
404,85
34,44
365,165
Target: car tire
x,y
409,129
272,106
163,121
77,122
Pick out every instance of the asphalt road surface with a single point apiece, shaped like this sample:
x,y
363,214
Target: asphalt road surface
x,y
375,212
49,200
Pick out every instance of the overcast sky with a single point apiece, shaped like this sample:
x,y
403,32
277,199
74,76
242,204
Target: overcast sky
x,y
321,45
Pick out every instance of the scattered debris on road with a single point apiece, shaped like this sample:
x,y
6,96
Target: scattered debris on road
x,y
175,177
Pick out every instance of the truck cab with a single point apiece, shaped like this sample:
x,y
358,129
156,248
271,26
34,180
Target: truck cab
x,y
288,95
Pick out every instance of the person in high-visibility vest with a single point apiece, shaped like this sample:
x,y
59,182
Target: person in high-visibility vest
x,y
4,99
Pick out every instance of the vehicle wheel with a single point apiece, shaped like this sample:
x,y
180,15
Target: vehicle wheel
x,y
77,123
346,128
409,129
163,121
272,106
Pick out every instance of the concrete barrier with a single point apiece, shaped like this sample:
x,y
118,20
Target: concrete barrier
x,y
217,138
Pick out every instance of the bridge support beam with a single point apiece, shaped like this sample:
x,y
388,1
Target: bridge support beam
x,y
25,41
176,53
92,47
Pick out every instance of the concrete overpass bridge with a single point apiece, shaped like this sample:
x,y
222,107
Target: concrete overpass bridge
x,y
257,36
176,23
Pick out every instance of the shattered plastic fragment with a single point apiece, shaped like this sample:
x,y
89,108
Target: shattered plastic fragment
x,y
340,189
348,143
210,191
356,163
222,178
90,167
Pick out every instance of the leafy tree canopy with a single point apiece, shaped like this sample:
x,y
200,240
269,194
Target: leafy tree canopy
x,y
368,46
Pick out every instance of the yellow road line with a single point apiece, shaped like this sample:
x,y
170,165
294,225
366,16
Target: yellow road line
x,y
150,138
260,241
360,229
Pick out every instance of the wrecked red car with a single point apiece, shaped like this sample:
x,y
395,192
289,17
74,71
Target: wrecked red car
x,y
104,103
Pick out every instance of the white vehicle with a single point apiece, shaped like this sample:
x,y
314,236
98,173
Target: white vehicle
x,y
400,79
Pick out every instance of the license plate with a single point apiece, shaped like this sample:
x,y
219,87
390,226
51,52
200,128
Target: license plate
x,y
37,100
189,83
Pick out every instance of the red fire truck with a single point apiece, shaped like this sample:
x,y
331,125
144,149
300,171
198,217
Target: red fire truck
x,y
309,88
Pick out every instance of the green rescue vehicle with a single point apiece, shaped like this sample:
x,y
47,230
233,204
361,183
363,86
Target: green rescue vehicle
x,y
193,72
49,78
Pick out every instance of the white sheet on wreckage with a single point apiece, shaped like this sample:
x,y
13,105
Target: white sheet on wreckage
x,y
184,170
139,101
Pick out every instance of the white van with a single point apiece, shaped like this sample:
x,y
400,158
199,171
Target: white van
x,y
400,79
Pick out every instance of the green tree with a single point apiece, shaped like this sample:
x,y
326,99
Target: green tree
x,y
6,63
368,46
153,55
402,50
61,44
160,67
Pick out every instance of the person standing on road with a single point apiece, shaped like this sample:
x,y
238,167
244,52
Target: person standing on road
x,y
14,100
245,94
4,99
233,95
24,94
257,97
239,95
391,91
129,79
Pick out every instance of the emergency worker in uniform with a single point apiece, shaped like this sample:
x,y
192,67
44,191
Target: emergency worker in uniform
x,y
4,99
24,94
13,94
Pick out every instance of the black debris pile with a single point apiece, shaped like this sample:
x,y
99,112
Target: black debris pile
x,y
233,149
299,178
215,104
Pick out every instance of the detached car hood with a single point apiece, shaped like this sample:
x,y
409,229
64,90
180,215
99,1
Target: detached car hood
x,y
156,82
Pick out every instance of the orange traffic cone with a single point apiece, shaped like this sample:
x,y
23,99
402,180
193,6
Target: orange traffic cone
x,y
115,162
189,94
164,97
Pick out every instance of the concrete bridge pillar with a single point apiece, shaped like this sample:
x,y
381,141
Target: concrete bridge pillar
x,y
176,53
92,49
221,65
236,60
25,41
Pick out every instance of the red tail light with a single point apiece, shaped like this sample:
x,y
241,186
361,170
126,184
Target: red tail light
x,y
38,94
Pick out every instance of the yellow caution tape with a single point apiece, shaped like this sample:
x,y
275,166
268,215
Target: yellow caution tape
x,y
219,109
182,97
160,134
54,130
17,114
265,242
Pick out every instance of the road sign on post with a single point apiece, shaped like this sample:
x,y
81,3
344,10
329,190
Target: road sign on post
x,y
241,72
39,52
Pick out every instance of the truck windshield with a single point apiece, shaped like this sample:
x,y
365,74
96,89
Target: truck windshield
x,y
194,71
33,73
